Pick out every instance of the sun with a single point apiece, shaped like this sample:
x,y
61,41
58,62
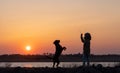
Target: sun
x,y
28,48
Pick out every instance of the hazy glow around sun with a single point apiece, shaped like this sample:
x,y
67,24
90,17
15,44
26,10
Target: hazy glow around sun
x,y
28,48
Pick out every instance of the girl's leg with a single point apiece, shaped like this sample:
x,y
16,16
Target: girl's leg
x,y
83,63
84,59
88,61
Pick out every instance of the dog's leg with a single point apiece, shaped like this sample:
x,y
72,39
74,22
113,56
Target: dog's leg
x,y
58,62
53,64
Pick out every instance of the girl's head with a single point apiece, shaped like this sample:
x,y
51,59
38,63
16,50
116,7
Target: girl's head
x,y
87,36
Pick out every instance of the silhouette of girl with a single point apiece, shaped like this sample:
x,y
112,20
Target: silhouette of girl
x,y
58,52
86,48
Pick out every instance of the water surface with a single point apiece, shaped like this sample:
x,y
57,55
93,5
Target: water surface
x,y
49,64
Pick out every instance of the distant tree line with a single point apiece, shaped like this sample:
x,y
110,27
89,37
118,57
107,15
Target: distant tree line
x,y
64,58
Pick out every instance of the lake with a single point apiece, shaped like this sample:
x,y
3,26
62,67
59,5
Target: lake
x,y
49,64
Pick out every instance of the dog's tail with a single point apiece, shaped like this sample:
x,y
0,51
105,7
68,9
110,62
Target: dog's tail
x,y
49,57
64,48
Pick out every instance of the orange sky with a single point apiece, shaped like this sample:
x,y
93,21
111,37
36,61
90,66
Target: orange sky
x,y
39,22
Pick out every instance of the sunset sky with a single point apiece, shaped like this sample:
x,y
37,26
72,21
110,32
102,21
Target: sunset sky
x,y
37,23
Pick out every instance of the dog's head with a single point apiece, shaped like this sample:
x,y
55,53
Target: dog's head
x,y
56,42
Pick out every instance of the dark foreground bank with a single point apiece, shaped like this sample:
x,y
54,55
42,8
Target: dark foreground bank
x,y
93,69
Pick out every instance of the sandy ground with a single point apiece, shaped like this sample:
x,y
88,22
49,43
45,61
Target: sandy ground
x,y
92,69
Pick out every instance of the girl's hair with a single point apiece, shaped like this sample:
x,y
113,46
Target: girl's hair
x,y
87,36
